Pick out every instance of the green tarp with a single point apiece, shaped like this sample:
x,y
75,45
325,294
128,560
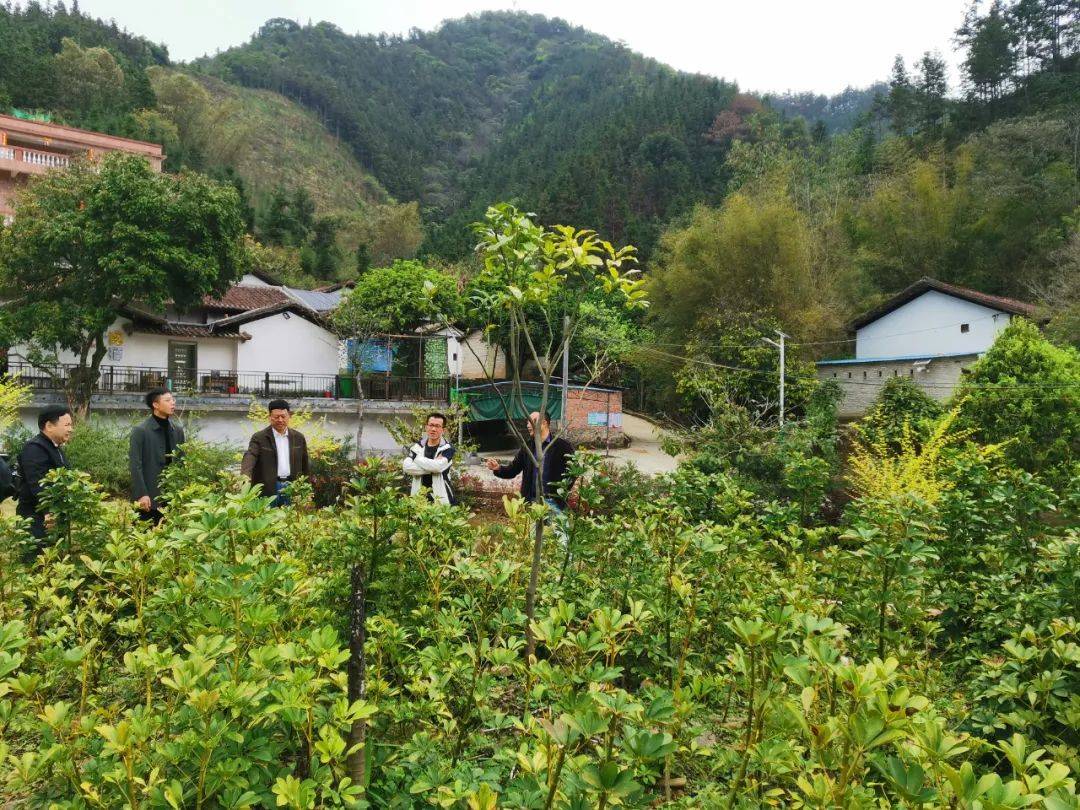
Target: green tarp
x,y
485,404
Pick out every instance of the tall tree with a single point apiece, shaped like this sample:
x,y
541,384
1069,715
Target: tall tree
x,y
990,63
931,86
88,79
91,241
901,99
534,279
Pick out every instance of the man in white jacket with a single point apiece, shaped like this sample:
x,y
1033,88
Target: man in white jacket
x,y
428,461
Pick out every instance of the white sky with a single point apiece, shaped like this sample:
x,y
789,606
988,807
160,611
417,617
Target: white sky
x,y
764,45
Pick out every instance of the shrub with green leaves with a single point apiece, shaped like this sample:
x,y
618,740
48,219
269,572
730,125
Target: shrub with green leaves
x,y
1025,392
697,645
901,412
99,447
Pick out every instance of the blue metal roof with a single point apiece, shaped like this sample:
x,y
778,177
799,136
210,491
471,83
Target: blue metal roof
x,y
854,360
315,299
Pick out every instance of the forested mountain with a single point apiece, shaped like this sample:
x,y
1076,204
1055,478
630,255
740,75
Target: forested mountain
x,y
846,198
838,113
502,105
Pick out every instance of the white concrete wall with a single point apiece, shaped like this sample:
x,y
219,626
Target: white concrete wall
x,y
138,349
930,325
232,428
862,382
454,360
477,355
288,344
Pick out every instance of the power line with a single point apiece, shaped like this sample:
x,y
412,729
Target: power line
x,y
850,381
899,334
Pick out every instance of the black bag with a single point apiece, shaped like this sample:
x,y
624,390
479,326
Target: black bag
x,y
8,488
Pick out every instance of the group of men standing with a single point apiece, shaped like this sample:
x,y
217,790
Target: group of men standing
x,y
428,461
276,456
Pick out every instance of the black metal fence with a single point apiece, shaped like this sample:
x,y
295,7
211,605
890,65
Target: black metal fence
x,y
134,379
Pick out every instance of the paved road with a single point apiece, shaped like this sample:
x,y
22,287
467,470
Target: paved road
x,y
644,451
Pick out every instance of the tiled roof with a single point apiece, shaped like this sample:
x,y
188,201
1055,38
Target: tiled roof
x,y
244,297
234,321
150,324
923,285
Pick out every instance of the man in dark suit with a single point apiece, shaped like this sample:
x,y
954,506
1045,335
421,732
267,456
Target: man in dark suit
x,y
155,444
276,455
40,455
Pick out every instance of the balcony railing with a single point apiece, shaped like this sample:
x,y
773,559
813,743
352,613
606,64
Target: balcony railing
x,y
135,379
34,157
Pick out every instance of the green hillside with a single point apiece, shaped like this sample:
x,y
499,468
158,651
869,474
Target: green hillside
x,y
286,145
503,105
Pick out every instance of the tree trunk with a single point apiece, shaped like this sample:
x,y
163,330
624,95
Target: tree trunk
x,y
80,388
359,416
530,594
357,686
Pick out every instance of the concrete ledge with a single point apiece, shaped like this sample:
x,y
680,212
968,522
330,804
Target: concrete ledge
x,y
203,403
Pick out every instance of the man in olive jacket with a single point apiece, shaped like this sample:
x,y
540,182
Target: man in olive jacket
x,y
154,445
276,455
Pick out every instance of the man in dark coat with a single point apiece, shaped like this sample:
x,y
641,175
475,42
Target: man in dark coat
x,y
557,453
40,455
276,455
154,445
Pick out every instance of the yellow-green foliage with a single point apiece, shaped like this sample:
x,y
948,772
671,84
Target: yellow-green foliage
x,y
286,146
12,397
319,439
915,472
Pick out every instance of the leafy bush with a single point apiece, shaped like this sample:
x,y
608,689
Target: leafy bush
x,y
99,448
199,464
1024,392
697,645
901,410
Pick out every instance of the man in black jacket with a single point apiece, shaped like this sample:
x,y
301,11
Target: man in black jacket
x,y
40,455
557,454
154,445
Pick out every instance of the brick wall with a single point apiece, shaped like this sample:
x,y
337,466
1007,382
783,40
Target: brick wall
x,y
861,382
601,405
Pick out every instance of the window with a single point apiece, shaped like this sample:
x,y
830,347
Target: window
x,y
965,328
864,375
879,373
849,375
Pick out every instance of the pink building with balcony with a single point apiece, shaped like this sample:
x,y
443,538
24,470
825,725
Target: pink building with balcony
x,y
35,147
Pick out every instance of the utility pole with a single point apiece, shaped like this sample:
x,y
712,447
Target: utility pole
x,y
565,368
781,347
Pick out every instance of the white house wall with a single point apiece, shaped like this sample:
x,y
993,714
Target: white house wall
x,y
152,351
476,355
930,325
861,383
289,344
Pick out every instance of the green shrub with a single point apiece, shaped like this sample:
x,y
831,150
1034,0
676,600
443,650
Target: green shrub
x,y
696,645
99,448
901,411
1026,391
